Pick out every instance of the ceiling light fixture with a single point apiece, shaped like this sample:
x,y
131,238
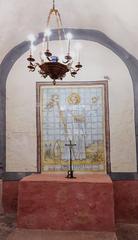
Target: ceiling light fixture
x,y
50,64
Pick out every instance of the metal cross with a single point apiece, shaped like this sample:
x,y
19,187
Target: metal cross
x,y
70,171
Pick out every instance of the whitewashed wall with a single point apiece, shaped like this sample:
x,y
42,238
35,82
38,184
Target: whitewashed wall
x,y
98,61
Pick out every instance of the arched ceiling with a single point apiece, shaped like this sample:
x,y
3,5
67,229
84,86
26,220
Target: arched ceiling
x,y
118,19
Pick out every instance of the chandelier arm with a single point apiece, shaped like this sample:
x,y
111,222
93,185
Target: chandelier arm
x,y
60,20
55,12
72,69
36,65
58,24
32,66
49,59
72,74
31,70
67,61
49,17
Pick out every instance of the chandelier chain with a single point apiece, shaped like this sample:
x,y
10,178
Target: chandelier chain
x,y
56,13
53,4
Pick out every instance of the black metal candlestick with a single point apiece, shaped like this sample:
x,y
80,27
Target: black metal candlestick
x,y
70,171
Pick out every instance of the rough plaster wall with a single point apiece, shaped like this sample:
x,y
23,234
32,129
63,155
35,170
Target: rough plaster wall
x,y
21,109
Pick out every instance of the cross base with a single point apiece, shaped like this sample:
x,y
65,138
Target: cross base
x,y
70,174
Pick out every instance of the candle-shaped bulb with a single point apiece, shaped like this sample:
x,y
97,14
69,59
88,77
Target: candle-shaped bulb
x,y
43,44
78,48
31,38
69,36
47,35
32,48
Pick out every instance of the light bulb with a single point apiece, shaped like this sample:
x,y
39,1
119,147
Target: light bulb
x,y
31,38
33,48
78,47
69,36
47,33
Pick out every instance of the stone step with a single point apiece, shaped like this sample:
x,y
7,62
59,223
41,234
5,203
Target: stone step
x,y
24,234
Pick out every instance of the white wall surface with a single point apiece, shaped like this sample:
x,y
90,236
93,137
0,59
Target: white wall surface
x,y
98,61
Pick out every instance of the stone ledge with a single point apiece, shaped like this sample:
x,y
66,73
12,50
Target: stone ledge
x,y
21,234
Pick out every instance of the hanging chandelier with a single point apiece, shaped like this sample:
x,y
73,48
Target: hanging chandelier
x,y
50,64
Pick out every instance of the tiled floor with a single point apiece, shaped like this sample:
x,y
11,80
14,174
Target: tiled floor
x,y
8,231
7,225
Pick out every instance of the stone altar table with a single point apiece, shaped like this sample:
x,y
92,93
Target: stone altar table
x,y
51,201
